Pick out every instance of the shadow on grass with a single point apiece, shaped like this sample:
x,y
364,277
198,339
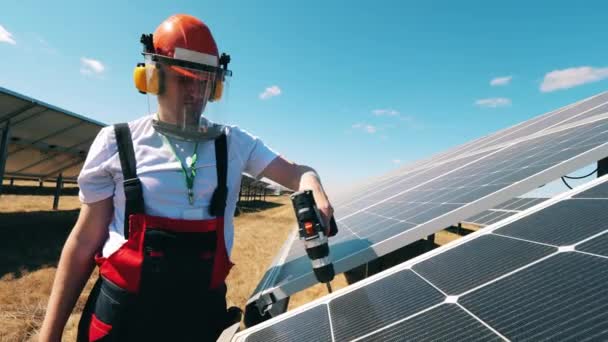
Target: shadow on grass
x,y
255,206
37,191
33,240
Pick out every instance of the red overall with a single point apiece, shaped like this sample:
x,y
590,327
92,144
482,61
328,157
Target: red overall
x,y
166,283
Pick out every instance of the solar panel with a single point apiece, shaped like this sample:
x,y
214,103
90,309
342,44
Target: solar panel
x,y
43,141
583,109
539,275
426,197
504,210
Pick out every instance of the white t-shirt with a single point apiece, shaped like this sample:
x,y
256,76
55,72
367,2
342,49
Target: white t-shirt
x,y
164,185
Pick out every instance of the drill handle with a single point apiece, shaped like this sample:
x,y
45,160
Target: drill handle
x,y
333,227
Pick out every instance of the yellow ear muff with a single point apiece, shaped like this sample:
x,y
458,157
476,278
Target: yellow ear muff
x,y
147,79
139,78
217,91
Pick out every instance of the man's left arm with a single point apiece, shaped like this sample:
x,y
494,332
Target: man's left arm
x,y
300,177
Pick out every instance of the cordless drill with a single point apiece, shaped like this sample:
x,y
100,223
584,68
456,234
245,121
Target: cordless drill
x,y
313,233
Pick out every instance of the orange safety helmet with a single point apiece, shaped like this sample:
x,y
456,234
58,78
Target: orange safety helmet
x,y
184,43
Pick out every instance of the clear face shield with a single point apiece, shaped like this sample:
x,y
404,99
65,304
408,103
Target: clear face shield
x,y
188,95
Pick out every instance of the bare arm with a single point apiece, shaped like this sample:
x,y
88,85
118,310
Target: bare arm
x,y
300,177
75,265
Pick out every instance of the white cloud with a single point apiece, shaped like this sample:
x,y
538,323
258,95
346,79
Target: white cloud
x,y
6,37
397,161
493,102
572,77
270,92
90,66
388,112
371,129
501,81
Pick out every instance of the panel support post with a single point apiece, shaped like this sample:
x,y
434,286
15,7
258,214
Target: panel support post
x,y
6,132
58,188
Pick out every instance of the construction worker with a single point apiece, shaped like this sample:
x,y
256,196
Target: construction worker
x,y
158,196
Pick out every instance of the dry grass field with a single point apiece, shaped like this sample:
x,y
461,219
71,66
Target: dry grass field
x,y
33,235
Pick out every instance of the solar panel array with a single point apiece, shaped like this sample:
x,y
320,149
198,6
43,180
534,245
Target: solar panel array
x,y
423,198
43,140
504,210
538,275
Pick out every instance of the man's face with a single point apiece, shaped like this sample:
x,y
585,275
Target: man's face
x,y
185,95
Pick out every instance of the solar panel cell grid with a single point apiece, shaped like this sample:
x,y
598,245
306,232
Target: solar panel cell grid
x,y
563,298
479,261
367,309
597,245
311,325
562,224
447,322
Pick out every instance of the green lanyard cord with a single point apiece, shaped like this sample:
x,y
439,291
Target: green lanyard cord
x,y
189,170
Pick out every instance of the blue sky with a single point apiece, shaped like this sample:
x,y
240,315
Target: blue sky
x,y
356,88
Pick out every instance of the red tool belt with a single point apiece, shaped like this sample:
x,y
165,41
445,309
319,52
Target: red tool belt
x,y
166,282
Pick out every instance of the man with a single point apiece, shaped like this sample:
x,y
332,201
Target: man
x,y
158,197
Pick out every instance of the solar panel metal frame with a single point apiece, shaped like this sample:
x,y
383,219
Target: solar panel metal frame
x,y
408,265
267,292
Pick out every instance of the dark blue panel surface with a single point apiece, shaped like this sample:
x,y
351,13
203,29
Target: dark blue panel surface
x,y
564,223
478,261
311,325
380,303
597,245
563,298
447,322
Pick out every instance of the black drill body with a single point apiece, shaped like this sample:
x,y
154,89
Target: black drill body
x,y
313,233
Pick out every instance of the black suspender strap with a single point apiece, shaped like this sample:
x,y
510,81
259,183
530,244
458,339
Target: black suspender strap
x,y
134,199
218,201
